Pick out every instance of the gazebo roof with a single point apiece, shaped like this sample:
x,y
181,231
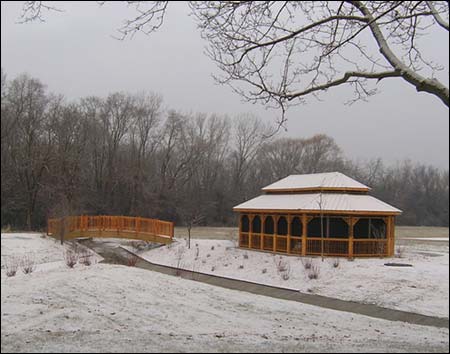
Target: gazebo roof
x,y
317,202
323,192
332,181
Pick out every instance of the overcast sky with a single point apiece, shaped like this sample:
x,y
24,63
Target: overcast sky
x,y
74,54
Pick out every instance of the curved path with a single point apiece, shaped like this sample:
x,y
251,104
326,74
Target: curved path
x,y
119,255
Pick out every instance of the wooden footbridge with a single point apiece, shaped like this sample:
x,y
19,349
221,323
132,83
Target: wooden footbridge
x,y
137,228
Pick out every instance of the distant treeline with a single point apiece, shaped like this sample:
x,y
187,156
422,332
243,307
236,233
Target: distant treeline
x,y
126,155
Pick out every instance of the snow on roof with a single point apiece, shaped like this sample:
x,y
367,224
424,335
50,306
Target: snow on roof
x,y
331,180
311,202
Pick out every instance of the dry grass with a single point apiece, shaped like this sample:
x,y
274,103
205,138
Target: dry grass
x,y
230,233
420,231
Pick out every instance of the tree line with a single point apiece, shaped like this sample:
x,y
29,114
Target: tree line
x,y
125,154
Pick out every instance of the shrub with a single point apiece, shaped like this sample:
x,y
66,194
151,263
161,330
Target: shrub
x,y
70,258
213,268
28,264
6,229
212,248
264,271
245,256
241,266
11,265
197,251
307,263
314,272
283,268
132,260
400,252
86,257
335,263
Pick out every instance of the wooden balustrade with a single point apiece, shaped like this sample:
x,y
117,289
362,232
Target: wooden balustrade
x,y
111,226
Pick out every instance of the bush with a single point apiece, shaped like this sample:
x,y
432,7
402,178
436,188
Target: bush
x,y
245,256
132,260
28,264
307,263
11,265
70,258
86,257
400,252
283,268
314,272
264,271
197,252
335,263
6,229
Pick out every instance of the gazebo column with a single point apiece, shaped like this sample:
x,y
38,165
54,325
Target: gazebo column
x,y
263,226
351,236
390,236
250,230
275,226
240,229
304,234
288,246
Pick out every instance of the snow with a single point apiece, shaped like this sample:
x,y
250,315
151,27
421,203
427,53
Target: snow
x,y
43,249
46,252
317,202
427,238
423,288
112,308
316,180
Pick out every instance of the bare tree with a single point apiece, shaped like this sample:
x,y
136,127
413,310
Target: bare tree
x,y
249,134
30,147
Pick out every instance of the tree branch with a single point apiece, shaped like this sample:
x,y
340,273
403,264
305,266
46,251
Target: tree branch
x,y
344,79
432,86
440,21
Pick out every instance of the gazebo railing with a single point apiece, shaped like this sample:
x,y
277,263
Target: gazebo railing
x,y
315,246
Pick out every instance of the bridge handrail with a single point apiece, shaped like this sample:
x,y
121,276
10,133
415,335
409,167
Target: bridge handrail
x,y
111,223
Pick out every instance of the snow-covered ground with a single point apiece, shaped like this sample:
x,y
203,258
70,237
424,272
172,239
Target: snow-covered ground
x,y
422,288
44,251
111,308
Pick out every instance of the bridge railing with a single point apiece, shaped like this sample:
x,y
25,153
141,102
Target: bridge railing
x,y
119,224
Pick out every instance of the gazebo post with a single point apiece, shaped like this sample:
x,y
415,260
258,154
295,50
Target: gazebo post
x,y
250,230
240,229
288,246
351,237
391,236
304,233
263,220
275,224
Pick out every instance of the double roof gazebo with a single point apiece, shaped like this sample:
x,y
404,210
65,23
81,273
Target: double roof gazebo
x,y
318,214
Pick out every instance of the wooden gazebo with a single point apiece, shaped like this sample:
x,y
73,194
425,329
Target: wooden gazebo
x,y
318,214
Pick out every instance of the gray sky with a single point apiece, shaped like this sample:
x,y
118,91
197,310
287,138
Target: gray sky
x,y
74,54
